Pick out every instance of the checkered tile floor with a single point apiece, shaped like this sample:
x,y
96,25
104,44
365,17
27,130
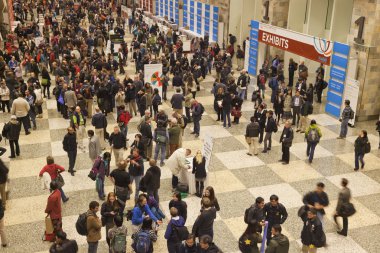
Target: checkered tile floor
x,y
237,178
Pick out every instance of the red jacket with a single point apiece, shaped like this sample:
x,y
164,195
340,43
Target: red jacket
x,y
52,170
53,207
125,117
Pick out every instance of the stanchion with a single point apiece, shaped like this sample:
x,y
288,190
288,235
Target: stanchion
x,y
264,237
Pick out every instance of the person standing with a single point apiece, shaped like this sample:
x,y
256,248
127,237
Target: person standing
x,y
152,180
119,230
161,137
297,103
242,83
147,137
20,108
94,149
274,213
53,170
101,167
270,127
3,181
177,101
63,245
260,115
4,96
240,57
99,121
236,106
109,210
199,169
317,199
174,135
226,107
197,111
273,84
171,233
312,134
249,239
312,235
286,139
123,186
53,207
70,98
378,130
94,226
252,136
360,149
70,146
204,223
347,114
177,163
118,143
292,68
343,201
79,124
32,108
136,170
255,214
12,130
123,120
279,242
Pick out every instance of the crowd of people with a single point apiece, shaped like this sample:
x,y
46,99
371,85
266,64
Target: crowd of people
x,y
78,59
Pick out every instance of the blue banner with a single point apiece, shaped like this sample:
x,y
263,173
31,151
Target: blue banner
x,y
341,48
336,86
338,74
334,98
339,61
333,110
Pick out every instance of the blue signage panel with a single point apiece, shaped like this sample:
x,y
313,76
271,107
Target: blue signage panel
x,y
334,98
338,74
339,61
333,110
336,86
255,25
341,48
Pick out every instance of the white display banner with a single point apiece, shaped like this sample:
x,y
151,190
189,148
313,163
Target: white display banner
x,y
186,46
246,56
208,144
351,92
153,75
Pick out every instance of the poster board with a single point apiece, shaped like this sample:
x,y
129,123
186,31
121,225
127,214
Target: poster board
x,y
208,144
351,92
187,46
152,75
246,56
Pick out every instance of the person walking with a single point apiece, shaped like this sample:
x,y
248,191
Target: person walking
x,y
340,210
32,107
172,234
249,239
20,108
136,170
70,146
161,137
312,235
118,143
347,114
312,135
94,149
152,180
94,226
53,207
53,170
11,131
279,242
317,199
274,213
360,149
109,210
286,141
270,127
123,186
99,121
101,168
252,136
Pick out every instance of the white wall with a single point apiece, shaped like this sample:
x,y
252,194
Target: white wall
x,y
341,20
235,18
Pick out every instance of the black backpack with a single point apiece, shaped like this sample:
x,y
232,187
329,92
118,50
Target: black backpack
x,y
367,147
5,130
246,213
81,224
181,233
202,108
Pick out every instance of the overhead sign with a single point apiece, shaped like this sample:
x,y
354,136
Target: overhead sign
x,y
313,48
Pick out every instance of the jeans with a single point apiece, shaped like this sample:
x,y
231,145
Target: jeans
x,y
296,115
137,180
155,194
32,115
25,122
226,115
63,196
359,157
159,147
92,247
101,188
13,144
241,93
267,139
197,126
344,128
320,217
310,150
72,154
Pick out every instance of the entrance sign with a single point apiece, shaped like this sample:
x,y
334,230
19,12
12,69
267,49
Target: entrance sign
x,y
313,48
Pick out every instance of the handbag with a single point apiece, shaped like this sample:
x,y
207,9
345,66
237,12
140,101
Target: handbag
x,y
92,175
236,113
347,210
49,229
248,140
44,81
59,180
61,100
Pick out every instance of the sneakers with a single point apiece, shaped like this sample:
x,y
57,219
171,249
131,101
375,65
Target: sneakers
x,y
249,154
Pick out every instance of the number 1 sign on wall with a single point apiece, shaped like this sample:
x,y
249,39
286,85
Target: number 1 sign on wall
x,y
360,22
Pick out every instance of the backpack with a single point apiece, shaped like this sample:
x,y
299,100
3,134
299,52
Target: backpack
x,y
202,108
352,114
119,242
181,233
81,224
367,147
5,130
143,242
275,128
246,213
313,136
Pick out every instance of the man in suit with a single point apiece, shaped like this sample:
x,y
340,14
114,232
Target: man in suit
x,y
94,148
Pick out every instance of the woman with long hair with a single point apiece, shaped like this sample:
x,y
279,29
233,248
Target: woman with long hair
x,y
218,100
199,169
110,208
210,193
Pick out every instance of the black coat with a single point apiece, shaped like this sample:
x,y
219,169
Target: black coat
x,y
181,207
199,169
152,179
287,137
312,232
13,129
68,246
70,142
275,214
271,125
105,211
3,172
360,143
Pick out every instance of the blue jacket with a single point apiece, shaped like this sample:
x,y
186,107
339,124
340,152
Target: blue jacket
x,y
137,214
176,221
